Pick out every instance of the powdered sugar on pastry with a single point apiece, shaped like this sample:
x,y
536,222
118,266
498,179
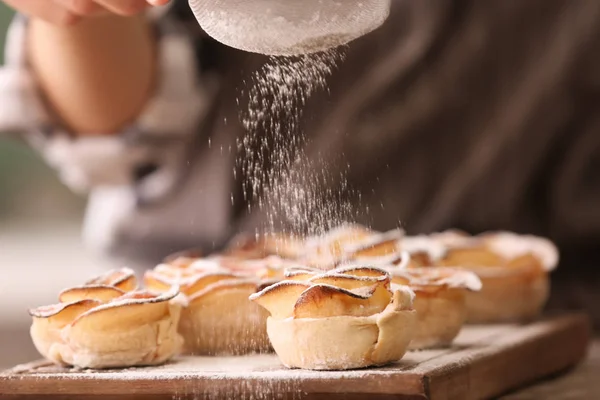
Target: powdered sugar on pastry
x,y
437,277
343,319
513,268
218,318
104,330
440,302
511,246
424,244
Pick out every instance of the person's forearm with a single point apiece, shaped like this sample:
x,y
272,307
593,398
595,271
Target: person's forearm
x,y
97,75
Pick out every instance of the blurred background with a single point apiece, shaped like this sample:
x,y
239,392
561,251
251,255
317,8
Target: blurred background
x,y
542,180
40,245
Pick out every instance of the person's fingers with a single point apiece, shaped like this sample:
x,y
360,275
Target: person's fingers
x,y
124,7
69,11
158,2
84,8
47,10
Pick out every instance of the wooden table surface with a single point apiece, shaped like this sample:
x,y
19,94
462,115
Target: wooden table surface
x,y
579,383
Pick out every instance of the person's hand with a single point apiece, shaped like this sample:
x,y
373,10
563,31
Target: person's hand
x,y
70,11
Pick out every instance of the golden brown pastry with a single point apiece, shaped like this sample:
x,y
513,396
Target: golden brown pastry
x,y
440,302
246,246
108,324
338,321
218,317
348,242
440,292
423,250
514,270
325,251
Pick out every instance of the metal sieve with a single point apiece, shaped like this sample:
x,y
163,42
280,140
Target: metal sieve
x,y
289,27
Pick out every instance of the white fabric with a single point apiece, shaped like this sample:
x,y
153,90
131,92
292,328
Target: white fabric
x,y
178,104
93,161
121,208
20,107
20,104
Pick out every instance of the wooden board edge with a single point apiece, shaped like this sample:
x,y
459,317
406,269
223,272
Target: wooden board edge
x,y
248,396
464,374
409,385
535,351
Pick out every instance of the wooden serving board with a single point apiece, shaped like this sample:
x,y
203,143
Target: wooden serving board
x,y
485,361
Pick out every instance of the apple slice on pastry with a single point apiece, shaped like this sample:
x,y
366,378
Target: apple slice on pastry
x,y
100,292
123,279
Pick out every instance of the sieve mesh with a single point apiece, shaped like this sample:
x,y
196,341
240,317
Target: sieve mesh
x,y
289,27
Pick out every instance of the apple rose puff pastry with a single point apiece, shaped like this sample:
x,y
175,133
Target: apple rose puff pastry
x,y
107,323
349,242
247,246
218,318
338,321
440,302
514,270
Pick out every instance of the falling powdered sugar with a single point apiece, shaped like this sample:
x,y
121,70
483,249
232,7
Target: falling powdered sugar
x,y
297,194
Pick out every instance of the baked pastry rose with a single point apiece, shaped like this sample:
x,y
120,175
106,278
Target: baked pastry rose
x,y
440,302
107,323
218,318
325,251
423,250
440,292
514,270
348,242
246,246
338,321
